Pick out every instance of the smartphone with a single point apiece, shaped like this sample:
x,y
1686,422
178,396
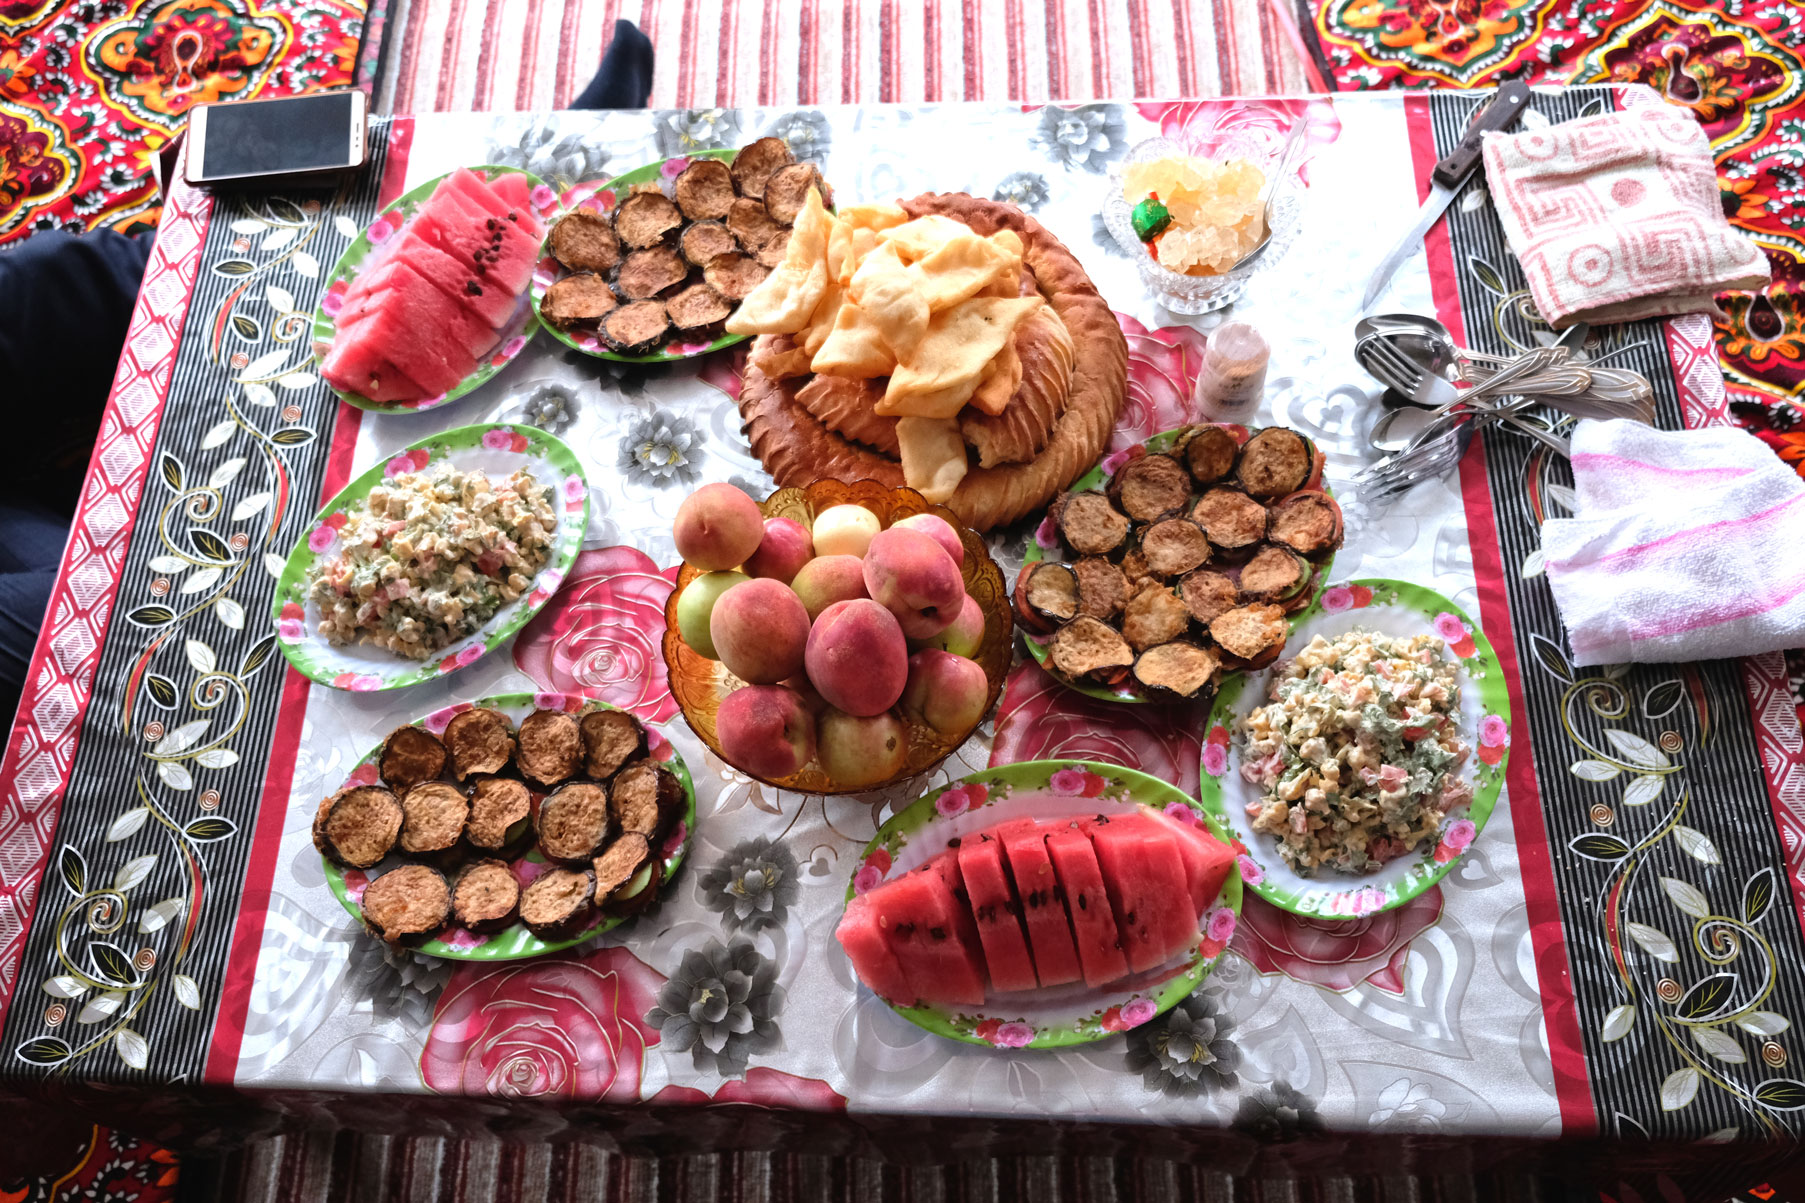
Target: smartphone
x,y
291,138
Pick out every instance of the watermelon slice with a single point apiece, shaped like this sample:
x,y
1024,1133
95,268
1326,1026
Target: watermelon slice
x,y
449,201
919,915
356,366
475,189
495,306
457,230
870,953
415,328
1043,903
516,192
1093,922
997,911
1147,890
1206,859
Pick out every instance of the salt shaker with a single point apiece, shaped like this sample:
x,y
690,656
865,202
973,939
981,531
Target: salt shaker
x,y
1233,377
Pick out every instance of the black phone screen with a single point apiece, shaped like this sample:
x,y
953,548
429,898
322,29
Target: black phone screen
x,y
305,133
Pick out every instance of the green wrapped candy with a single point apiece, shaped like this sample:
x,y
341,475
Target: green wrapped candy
x,y
1149,218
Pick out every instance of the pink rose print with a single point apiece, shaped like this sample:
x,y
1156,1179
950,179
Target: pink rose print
x,y
1046,535
1013,1035
564,1027
356,882
761,1087
1337,598
510,349
438,720
291,630
673,843
879,860
589,343
1251,873
959,799
1072,782
542,197
548,701
464,940
1449,627
383,228
1112,463
1209,126
1135,1013
408,461
1040,719
1219,925
498,439
1215,759
334,299
1162,364
526,872
1368,901
357,682
363,774
322,537
1455,840
866,879
1494,732
575,493
602,635
674,167
1183,814
1337,954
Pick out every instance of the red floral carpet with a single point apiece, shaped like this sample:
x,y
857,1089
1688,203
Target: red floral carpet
x,y
91,89
1738,64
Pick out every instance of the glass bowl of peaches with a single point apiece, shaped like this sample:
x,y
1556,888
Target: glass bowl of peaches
x,y
835,638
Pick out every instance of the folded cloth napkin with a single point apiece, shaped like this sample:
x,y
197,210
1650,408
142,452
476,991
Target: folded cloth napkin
x,y
1617,217
1681,547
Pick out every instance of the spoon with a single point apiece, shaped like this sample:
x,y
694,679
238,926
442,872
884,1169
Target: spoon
x,y
1269,191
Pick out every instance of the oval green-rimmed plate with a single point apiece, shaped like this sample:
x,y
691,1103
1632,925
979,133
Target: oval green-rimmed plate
x,y
1390,608
513,943
1049,789
601,197
1127,691
364,252
495,449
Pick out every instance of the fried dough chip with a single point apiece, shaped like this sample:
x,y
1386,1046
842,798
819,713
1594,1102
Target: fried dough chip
x,y
780,358
1000,381
922,237
821,322
892,299
873,217
933,456
959,343
786,300
854,347
962,267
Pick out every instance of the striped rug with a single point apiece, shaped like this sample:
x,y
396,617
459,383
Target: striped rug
x,y
515,55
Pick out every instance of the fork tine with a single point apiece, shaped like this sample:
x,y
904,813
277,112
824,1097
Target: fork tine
x,y
1396,362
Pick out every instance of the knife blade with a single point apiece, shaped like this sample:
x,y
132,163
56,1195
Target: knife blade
x,y
1448,178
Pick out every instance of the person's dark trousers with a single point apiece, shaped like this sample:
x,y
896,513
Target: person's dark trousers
x,y
65,301
624,80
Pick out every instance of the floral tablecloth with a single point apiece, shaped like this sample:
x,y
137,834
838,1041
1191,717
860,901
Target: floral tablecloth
x,y
177,932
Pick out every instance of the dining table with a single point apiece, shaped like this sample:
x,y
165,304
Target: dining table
x,y
1605,982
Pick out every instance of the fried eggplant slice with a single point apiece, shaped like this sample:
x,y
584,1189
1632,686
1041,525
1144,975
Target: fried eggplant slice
x,y
644,274
787,191
644,218
1233,521
640,892
734,276
359,826
645,797
751,225
1180,670
486,897
618,865
573,822
1102,587
1174,547
410,755
478,741
1274,574
559,904
755,163
433,816
1151,487
776,247
1275,462
704,241
1046,595
697,308
610,739
1309,523
580,300
1087,649
499,810
551,747
1154,616
1207,593
704,190
636,329
1210,453
406,905
585,241
1091,524
1247,633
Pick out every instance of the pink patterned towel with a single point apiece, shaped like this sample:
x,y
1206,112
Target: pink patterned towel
x,y
1679,548
1617,217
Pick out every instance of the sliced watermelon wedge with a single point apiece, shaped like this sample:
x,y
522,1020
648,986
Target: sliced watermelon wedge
x,y
921,919
997,912
870,953
1147,889
475,189
1207,862
1043,903
516,192
495,306
1099,945
459,230
353,366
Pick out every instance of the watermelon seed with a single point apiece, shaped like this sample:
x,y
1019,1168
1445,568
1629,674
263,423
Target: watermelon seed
x,y
938,933
513,216
473,288
1084,902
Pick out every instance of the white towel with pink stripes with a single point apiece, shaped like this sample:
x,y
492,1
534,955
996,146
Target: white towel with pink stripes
x,y
1684,546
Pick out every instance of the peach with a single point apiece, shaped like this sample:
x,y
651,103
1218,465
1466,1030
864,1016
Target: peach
x,y
760,630
696,607
844,530
718,527
782,552
949,693
939,530
857,658
963,638
911,575
766,730
862,750
825,580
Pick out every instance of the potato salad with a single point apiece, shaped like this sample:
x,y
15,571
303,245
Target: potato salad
x,y
429,557
1356,751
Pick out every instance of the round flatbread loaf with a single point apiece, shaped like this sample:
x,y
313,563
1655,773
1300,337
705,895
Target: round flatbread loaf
x,y
796,448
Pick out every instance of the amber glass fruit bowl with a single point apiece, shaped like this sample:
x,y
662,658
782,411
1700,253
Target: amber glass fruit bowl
x,y
700,684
